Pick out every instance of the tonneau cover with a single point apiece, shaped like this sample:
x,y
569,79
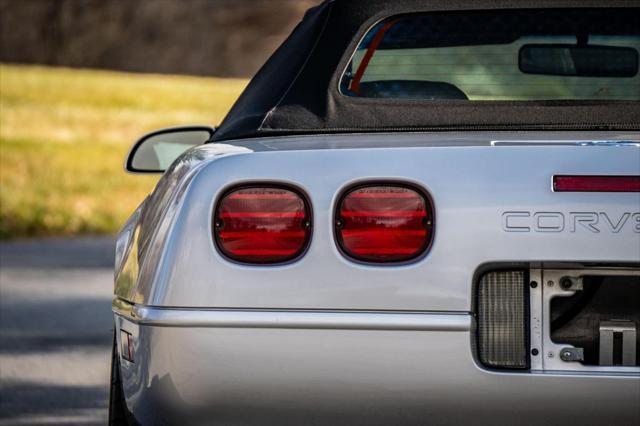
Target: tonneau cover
x,y
296,91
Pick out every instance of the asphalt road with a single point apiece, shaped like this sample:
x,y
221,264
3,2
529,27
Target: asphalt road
x,y
55,331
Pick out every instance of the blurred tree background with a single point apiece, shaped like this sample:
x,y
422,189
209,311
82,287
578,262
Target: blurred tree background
x,y
65,128
222,38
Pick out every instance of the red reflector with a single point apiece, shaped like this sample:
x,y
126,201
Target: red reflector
x,y
384,223
596,183
262,225
126,345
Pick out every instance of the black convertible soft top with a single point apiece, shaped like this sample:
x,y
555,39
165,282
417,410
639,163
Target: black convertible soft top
x,y
296,91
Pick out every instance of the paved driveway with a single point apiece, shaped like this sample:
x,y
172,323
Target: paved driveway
x,y
55,331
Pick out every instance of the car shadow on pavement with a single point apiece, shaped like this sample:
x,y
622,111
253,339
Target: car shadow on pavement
x,y
56,325
56,330
29,403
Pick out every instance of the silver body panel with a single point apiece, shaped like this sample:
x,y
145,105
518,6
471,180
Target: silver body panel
x,y
472,188
324,339
336,376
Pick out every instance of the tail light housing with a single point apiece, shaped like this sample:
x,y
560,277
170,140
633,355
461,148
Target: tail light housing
x,y
262,224
383,223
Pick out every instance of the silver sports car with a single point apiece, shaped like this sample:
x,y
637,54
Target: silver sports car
x,y
418,212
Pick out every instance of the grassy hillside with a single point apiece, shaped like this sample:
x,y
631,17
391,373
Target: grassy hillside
x,y
64,134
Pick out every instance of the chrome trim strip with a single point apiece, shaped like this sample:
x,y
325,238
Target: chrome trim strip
x,y
293,319
565,143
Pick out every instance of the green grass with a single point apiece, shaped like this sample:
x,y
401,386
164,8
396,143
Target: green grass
x,y
64,134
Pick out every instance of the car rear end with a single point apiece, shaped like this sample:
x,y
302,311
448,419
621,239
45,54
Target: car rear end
x,y
480,318
439,274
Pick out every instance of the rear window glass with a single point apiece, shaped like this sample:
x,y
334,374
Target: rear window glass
x,y
500,55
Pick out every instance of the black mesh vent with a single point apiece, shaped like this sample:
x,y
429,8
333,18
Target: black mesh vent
x,y
503,319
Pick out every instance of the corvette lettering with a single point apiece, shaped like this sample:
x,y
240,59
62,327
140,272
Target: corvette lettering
x,y
595,222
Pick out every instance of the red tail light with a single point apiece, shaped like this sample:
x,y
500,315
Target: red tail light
x,y
262,224
596,183
384,223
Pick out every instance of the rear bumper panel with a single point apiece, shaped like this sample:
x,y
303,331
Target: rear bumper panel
x,y
341,371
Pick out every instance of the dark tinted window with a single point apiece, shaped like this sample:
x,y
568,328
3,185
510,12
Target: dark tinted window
x,y
546,54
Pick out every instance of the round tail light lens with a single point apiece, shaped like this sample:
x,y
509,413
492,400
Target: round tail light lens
x,y
384,223
262,224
